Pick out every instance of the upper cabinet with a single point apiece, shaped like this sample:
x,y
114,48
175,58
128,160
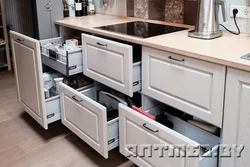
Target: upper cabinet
x,y
190,85
237,117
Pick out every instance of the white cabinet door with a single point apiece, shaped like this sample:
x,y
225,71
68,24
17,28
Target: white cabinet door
x,y
85,117
139,134
108,62
28,71
190,85
236,129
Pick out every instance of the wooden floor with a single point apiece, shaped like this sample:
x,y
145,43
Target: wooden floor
x,y
24,143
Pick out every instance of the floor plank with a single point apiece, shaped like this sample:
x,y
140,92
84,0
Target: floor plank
x,y
24,143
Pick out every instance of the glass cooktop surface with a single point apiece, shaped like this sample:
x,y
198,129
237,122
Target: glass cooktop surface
x,y
141,29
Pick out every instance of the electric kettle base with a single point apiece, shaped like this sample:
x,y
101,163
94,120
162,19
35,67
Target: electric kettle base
x,y
194,34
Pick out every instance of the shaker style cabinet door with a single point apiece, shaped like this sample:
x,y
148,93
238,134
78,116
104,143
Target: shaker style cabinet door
x,y
28,71
190,85
237,117
108,62
85,117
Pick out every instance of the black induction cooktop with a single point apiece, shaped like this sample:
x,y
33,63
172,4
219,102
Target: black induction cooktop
x,y
141,29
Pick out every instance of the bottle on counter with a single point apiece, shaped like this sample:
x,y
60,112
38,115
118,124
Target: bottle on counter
x,y
78,8
72,12
91,7
85,7
65,9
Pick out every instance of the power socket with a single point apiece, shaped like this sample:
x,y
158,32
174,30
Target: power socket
x,y
244,11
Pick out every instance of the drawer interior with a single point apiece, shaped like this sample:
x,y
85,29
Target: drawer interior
x,y
61,57
77,81
108,98
178,121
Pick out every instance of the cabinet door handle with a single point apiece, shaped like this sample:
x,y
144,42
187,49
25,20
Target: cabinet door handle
x,y
171,58
77,100
20,40
98,43
154,131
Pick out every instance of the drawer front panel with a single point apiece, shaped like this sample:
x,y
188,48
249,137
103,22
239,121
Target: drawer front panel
x,y
85,117
108,62
82,118
147,140
134,136
178,81
190,85
111,66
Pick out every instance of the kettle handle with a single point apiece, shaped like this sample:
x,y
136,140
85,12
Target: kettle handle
x,y
222,3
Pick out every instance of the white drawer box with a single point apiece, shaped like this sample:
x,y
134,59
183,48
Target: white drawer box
x,y
138,132
193,86
53,109
87,118
111,63
68,64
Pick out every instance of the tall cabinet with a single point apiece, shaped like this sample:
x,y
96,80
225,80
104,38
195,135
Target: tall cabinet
x,y
4,41
236,129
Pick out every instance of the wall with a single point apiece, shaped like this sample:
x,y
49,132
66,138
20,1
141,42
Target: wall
x,y
243,23
115,7
164,10
181,11
177,11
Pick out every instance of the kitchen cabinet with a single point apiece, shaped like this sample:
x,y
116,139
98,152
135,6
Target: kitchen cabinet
x,y
85,114
190,85
140,135
237,117
28,62
112,63
117,66
28,71
84,111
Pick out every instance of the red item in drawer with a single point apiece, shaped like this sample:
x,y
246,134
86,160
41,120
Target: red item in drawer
x,y
143,112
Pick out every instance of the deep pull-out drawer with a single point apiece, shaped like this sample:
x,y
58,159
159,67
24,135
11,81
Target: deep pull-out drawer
x,y
112,64
87,118
193,86
150,144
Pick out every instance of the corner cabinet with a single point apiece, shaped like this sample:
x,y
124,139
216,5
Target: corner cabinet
x,y
237,117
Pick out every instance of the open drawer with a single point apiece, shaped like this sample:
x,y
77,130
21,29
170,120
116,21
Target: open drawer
x,y
142,140
53,109
113,64
67,63
86,114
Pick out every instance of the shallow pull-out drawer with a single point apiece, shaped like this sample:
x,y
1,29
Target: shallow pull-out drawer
x,y
150,144
193,86
68,63
84,116
111,63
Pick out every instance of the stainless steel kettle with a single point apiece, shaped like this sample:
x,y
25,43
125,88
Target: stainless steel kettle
x,y
207,23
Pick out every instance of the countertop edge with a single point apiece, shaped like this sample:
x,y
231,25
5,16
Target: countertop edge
x,y
159,47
